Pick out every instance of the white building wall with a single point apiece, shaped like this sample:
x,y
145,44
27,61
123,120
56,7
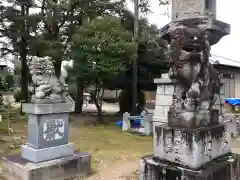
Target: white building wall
x,y
237,85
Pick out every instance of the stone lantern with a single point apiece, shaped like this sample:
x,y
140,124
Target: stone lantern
x,y
182,9
192,143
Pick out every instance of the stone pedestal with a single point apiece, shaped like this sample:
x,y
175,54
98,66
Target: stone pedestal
x,y
18,168
47,132
189,147
224,168
47,155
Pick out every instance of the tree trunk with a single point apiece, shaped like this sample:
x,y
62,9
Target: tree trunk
x,y
79,96
101,99
57,68
24,78
23,56
98,102
99,111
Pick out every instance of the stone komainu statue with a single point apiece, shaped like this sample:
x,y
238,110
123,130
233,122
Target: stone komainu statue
x,y
198,82
47,88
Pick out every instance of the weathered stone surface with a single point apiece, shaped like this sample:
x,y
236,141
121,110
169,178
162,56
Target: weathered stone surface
x,y
160,89
47,87
187,8
164,100
159,111
191,147
191,120
165,76
217,29
198,80
48,108
47,130
169,90
193,8
230,120
47,124
17,168
165,89
164,81
45,154
224,168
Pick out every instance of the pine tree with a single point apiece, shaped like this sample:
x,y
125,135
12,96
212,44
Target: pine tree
x,y
17,27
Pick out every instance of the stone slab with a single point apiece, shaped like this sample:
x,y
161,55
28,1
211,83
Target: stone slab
x,y
164,81
192,119
161,119
47,130
217,28
224,168
45,154
32,108
16,168
191,147
163,100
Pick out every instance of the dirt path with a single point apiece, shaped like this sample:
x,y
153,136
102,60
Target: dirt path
x,y
120,170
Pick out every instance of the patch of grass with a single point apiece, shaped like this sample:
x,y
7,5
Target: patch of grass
x,y
107,143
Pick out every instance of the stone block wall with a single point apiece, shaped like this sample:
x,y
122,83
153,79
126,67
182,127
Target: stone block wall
x,y
163,101
165,89
220,100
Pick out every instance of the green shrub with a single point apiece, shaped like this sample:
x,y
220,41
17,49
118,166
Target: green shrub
x,y
17,95
5,84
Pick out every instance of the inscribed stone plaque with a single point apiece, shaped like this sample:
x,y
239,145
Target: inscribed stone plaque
x,y
53,129
47,130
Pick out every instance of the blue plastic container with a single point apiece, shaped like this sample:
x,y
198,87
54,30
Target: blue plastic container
x,y
134,124
233,101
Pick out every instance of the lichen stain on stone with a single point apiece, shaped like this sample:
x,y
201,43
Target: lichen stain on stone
x,y
158,131
218,132
173,175
164,136
172,136
188,137
215,133
145,168
235,166
218,169
158,172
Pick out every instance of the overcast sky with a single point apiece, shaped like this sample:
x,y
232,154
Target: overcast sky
x,y
227,11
